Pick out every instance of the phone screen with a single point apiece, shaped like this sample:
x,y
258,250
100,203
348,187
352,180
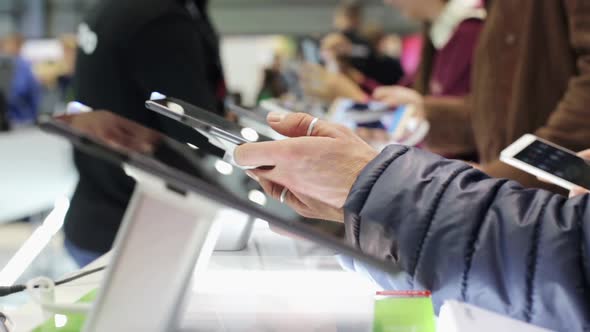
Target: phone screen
x,y
557,162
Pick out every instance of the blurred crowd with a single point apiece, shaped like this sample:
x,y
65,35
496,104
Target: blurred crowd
x,y
30,85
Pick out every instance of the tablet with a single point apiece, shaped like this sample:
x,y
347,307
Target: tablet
x,y
124,142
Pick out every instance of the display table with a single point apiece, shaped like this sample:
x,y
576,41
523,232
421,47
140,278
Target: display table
x,y
276,284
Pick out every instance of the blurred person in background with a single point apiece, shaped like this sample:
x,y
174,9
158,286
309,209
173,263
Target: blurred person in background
x,y
24,91
351,51
531,75
452,29
451,33
168,46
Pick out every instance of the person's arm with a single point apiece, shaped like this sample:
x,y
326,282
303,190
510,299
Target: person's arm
x,y
450,131
462,235
447,109
569,125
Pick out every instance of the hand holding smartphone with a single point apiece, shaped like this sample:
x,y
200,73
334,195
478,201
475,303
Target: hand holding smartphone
x,y
548,161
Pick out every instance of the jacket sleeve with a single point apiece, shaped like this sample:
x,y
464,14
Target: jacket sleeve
x,y
450,131
569,124
462,235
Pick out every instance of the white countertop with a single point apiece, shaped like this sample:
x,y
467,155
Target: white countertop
x,y
276,284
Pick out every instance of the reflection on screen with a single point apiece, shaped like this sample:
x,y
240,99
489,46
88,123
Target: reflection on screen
x,y
557,162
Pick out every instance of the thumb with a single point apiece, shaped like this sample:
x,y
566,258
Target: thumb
x,y
298,124
386,95
576,191
381,93
585,154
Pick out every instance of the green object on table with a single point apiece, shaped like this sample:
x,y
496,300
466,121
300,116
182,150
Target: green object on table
x,y
404,314
67,323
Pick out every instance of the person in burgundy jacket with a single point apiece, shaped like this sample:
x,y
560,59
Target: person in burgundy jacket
x,y
452,29
451,33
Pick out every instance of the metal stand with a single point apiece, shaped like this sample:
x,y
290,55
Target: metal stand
x,y
164,235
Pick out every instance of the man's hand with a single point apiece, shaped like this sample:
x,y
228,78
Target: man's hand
x,y
318,171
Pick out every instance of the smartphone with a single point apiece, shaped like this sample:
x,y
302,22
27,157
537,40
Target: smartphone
x,y
351,113
548,161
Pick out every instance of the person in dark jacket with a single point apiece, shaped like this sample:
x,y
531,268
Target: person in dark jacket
x,y
450,228
129,49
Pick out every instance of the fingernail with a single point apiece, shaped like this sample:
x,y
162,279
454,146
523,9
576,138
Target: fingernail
x,y
275,117
252,176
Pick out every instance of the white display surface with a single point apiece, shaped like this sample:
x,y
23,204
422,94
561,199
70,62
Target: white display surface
x,y
36,169
276,284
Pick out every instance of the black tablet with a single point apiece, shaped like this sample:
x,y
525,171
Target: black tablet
x,y
121,141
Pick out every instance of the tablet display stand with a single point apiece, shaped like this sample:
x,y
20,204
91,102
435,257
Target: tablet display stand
x,y
166,235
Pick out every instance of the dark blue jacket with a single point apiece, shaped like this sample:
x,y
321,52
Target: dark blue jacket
x,y
462,235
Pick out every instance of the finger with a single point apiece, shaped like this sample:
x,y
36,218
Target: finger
x,y
298,124
381,93
275,191
259,154
386,97
585,154
576,191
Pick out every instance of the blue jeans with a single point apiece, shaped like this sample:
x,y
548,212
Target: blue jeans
x,y
82,257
